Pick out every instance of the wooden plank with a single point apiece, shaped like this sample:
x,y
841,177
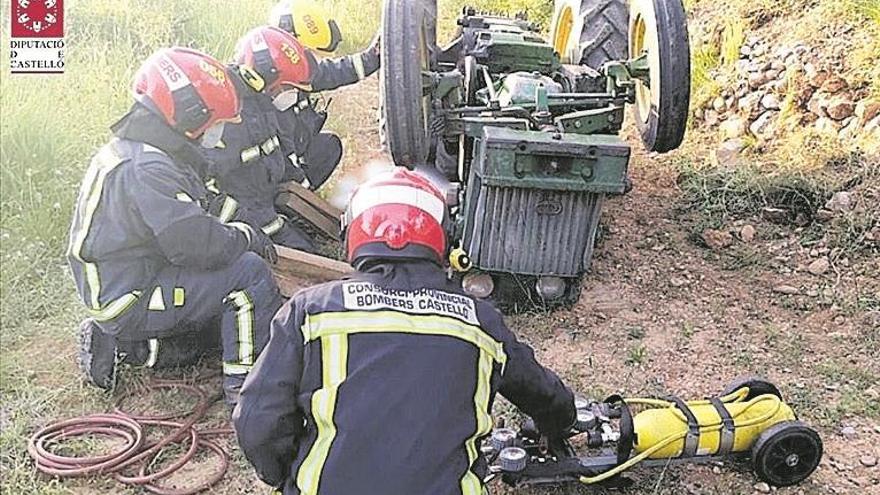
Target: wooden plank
x,y
293,263
313,199
328,225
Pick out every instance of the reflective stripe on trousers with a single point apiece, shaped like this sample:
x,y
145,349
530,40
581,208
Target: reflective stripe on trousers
x,y
244,322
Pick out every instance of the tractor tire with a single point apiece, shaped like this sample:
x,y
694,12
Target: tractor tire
x,y
659,27
591,32
408,45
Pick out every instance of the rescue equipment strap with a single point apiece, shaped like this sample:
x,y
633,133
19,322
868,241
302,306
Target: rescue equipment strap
x,y
692,438
334,359
727,433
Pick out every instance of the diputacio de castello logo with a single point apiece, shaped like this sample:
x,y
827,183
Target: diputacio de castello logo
x,y
37,37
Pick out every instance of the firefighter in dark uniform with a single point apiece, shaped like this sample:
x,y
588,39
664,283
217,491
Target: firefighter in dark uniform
x,y
383,384
279,139
250,162
317,152
148,261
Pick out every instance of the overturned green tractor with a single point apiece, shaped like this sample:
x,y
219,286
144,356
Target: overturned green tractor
x,y
523,132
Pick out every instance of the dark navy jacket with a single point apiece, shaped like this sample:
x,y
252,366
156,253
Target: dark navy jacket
x,y
138,212
383,385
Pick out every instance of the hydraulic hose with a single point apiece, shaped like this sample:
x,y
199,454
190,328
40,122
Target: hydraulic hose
x,y
136,454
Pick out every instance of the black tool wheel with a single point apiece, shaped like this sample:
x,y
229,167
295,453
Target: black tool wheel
x,y
408,46
786,453
757,386
659,28
590,32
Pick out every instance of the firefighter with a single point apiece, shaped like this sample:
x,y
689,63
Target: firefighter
x,y
251,160
148,261
317,152
384,383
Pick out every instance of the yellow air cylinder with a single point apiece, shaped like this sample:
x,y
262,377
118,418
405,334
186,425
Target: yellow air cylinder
x,y
653,426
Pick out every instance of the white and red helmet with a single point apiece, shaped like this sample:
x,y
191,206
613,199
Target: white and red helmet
x,y
188,88
279,58
398,214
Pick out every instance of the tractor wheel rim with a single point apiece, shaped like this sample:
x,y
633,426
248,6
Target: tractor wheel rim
x,y
636,48
563,31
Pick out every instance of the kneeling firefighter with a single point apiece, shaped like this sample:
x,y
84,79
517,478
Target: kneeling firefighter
x,y
251,160
384,383
317,152
151,265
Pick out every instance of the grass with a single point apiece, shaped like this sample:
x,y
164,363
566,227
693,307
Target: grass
x,y
50,126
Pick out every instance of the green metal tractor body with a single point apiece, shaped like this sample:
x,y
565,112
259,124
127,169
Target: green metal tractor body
x,y
529,145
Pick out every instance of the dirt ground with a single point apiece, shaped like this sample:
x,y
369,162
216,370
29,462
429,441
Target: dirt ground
x,y
662,314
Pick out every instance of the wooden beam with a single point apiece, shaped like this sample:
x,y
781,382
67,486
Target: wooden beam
x,y
299,264
328,225
313,199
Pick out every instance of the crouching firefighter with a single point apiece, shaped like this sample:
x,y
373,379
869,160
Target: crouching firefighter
x,y
317,152
251,160
383,383
148,261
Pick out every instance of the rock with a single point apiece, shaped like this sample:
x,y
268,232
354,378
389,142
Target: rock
x,y
824,215
819,266
747,233
775,215
745,50
749,103
719,104
849,432
772,75
872,125
762,487
866,111
786,289
717,239
868,460
733,127
827,126
778,65
840,109
678,282
815,78
728,154
759,50
834,85
770,101
840,202
757,79
818,104
764,126
850,129
710,118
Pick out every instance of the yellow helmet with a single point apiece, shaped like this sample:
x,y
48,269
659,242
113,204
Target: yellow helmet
x,y
309,22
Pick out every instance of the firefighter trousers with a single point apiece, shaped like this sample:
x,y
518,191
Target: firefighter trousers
x,y
181,308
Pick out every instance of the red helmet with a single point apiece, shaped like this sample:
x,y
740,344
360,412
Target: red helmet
x,y
190,89
276,56
398,214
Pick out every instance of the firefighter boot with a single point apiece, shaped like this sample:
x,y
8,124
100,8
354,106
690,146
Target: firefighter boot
x,y
232,388
96,355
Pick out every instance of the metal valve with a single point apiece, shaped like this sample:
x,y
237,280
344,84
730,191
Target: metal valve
x,y
512,459
502,438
